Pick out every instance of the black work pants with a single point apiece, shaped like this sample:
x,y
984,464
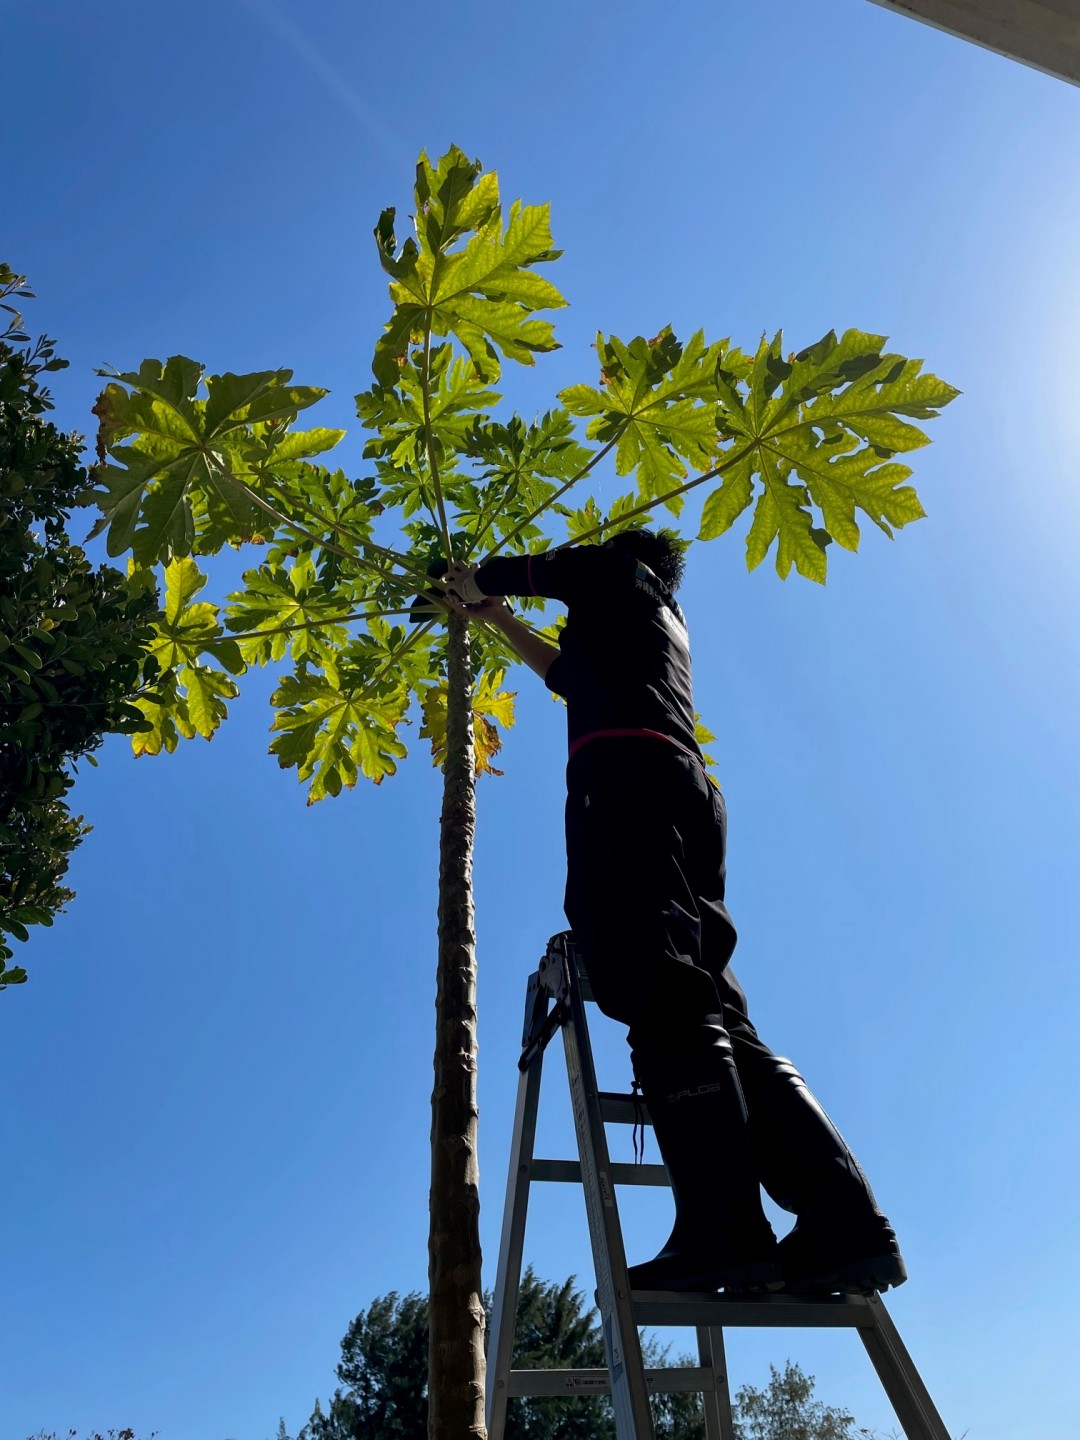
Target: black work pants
x,y
646,834
645,840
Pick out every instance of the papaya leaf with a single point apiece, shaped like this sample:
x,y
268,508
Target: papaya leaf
x,y
484,292
289,609
724,506
704,736
818,431
191,695
173,488
332,735
491,707
658,405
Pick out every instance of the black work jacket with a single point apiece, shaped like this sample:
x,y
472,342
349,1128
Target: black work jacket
x,y
624,653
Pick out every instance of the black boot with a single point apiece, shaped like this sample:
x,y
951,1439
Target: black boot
x,y
841,1240
721,1238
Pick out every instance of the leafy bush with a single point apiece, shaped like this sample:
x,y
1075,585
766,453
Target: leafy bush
x,y
72,639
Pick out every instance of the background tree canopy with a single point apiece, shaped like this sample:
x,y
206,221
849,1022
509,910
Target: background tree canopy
x,y
384,1366
72,639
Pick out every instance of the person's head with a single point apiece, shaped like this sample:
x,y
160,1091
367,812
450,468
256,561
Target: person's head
x,y
660,550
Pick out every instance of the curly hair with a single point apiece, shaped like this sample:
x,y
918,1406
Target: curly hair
x,y
661,550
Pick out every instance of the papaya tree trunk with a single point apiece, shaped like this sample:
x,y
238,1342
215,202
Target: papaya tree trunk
x,y
456,1310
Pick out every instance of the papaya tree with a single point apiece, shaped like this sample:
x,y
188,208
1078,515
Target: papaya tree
x,y
343,590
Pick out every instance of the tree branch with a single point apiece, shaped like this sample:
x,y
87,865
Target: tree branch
x,y
429,440
394,556
282,519
512,534
392,660
329,620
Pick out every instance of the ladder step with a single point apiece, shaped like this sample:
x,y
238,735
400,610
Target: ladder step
x,y
660,1307
619,1109
672,1380
569,1171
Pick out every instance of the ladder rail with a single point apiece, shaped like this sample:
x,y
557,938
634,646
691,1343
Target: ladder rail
x,y
716,1400
902,1383
512,1241
629,1395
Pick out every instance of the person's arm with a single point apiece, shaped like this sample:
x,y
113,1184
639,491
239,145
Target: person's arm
x,y
579,572
537,652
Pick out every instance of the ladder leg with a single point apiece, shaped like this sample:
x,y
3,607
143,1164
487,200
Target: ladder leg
x,y
902,1383
629,1394
719,1421
511,1248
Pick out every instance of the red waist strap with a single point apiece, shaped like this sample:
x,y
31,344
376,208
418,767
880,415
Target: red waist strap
x,y
581,740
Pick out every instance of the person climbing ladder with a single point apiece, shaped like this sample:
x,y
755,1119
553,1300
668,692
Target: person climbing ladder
x,y
645,896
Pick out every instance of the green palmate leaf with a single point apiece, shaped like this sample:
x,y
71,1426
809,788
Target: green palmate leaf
x,y
704,736
396,413
336,511
188,630
493,263
453,196
191,694
195,705
207,691
331,734
289,609
237,401
727,503
658,404
183,581
782,515
298,445
519,465
483,292
484,325
584,523
167,723
161,401
819,430
841,478
174,488
491,706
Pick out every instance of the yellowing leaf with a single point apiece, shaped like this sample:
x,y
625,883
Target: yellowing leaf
x,y
704,736
489,705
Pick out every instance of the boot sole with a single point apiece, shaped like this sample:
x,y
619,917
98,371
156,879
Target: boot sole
x,y
857,1277
761,1275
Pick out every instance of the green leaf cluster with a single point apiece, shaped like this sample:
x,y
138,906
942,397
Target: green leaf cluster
x,y
802,443
74,660
466,274
190,479
819,431
657,406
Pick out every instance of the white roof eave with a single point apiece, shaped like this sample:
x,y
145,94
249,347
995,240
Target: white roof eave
x,y
1044,34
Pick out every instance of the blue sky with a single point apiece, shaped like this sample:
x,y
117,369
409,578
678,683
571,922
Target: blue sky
x,y
217,1080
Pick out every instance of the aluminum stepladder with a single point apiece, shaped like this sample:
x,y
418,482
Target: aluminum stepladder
x,y
555,999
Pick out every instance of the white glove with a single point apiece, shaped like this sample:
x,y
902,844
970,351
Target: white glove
x,y
460,580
